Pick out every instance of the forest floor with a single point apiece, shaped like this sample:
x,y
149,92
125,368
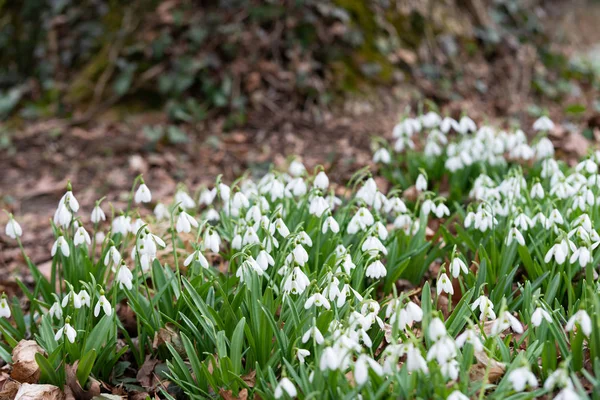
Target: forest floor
x,y
106,155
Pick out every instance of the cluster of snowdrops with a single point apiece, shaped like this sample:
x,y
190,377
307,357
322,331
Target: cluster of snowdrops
x,y
481,284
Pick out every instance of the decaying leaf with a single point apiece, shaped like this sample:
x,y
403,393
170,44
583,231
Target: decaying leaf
x,y
250,378
228,394
168,334
25,368
93,386
36,392
145,374
9,389
478,370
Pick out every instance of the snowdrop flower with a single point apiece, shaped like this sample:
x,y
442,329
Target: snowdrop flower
x,y
330,224
121,224
236,243
302,354
282,228
285,385
441,210
583,320
539,315
583,254
81,236
212,215
444,285
315,333
471,337
68,331
457,265
421,184
522,377
437,329
430,120
544,149
559,378
382,155
367,192
4,308
543,123
55,310
318,206
63,215
560,251
321,181
212,240
567,393
198,257
514,234
457,395
264,259
249,264
361,368
297,282
376,270
112,255
97,214
505,321
84,298
414,360
373,246
486,307
450,369
103,304
143,195
537,191
185,222
124,277
297,168
13,229
318,300
184,200
63,245
466,125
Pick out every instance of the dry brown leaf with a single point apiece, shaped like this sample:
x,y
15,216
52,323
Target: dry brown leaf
x,y
228,394
93,386
146,372
576,143
9,389
168,334
25,368
36,392
250,378
478,371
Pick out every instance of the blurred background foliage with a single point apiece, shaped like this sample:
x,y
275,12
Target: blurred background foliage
x,y
194,59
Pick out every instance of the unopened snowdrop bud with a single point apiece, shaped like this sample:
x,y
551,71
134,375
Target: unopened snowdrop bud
x,y
13,229
282,228
143,194
185,222
521,378
67,330
330,224
102,304
444,284
543,123
124,277
63,245
285,386
236,243
97,214
297,168
81,236
4,308
421,184
539,315
112,255
581,319
382,155
321,181
315,333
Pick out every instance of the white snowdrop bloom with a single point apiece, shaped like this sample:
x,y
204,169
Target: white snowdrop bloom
x,y
285,386
264,259
559,378
321,181
282,228
486,307
296,282
318,300
543,123
112,255
432,149
121,224
212,240
212,215
428,206
318,206
583,320
81,236
441,210
104,305
539,315
583,254
514,234
537,191
330,224
97,214
84,298
430,120
361,368
543,149
297,168
560,251
143,194
381,230
450,369
449,123
224,192
248,265
402,144
376,270
367,192
69,200
161,212
198,257
63,245
457,265
523,222
457,395
63,215
13,229
333,201
414,359
466,125
315,333
4,308
124,277
236,243
471,337
208,196
436,330
68,331
373,246
382,155
55,310
250,237
185,222
302,354
184,200
297,187
346,264
556,217
588,166
505,321
444,284
421,184
240,201
300,255
396,205
521,378
567,393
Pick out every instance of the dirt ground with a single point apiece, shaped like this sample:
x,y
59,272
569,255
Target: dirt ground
x,y
103,158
